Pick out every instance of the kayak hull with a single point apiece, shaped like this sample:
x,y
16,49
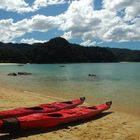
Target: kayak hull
x,y
43,108
46,120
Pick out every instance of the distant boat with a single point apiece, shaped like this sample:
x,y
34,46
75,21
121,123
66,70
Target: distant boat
x,y
61,66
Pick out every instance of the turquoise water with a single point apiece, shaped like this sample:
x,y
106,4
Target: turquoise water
x,y
119,82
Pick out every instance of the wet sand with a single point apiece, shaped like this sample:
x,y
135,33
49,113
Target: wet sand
x,y
110,125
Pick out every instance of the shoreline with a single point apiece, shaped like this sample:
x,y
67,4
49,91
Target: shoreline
x,y
54,96
112,125
9,64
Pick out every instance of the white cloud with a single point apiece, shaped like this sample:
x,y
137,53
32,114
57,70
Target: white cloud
x,y
67,35
20,6
121,30
79,20
122,33
8,30
44,3
131,7
132,11
79,16
32,41
44,23
88,43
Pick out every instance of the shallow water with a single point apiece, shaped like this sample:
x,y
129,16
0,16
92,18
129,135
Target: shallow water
x,y
119,82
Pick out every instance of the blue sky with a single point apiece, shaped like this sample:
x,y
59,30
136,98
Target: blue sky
x,y
108,23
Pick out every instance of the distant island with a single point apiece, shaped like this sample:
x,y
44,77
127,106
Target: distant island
x,y
59,50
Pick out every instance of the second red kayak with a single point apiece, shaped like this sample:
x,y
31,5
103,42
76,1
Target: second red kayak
x,y
43,108
46,120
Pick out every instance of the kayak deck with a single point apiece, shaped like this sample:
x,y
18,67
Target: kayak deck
x,y
43,108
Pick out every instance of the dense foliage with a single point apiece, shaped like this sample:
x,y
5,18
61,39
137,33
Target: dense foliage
x,y
59,50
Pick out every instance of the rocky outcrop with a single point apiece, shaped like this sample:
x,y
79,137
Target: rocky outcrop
x,y
12,74
24,73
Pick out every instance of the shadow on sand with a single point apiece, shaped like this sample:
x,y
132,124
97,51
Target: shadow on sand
x,y
63,126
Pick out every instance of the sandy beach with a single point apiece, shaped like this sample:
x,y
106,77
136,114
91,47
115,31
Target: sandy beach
x,y
110,125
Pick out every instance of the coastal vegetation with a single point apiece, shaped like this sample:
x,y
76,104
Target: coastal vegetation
x,y
59,50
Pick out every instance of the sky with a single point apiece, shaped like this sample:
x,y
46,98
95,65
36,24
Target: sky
x,y
106,23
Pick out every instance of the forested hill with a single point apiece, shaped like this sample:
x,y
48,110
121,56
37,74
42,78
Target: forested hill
x,y
59,50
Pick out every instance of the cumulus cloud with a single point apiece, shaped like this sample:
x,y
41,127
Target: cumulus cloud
x,y
44,3
67,35
131,7
9,31
123,28
44,23
88,43
32,41
82,20
20,6
122,33
117,21
79,16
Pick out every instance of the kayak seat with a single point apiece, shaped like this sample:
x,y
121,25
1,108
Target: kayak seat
x,y
35,108
68,102
55,115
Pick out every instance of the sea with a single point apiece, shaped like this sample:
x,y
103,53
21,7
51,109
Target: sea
x,y
98,82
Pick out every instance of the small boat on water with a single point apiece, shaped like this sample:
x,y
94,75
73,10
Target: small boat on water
x,y
47,108
46,120
62,66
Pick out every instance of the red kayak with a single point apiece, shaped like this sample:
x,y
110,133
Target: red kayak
x,y
46,120
44,108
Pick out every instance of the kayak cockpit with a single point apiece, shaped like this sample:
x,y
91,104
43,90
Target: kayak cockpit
x,y
35,108
92,107
55,115
68,102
